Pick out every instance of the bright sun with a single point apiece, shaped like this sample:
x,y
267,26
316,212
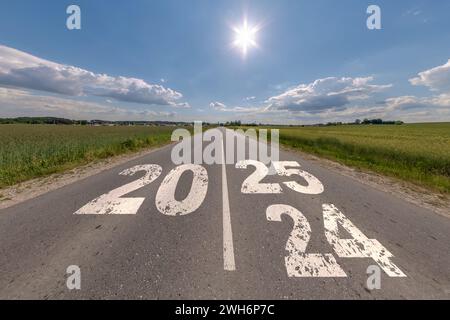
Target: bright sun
x,y
245,37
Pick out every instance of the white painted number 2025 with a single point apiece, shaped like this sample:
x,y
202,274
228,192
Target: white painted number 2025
x,y
282,168
300,264
113,203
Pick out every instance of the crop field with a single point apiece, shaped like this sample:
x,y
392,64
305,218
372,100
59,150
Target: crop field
x,y
419,153
30,151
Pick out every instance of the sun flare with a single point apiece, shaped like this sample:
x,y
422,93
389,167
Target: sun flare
x,y
245,37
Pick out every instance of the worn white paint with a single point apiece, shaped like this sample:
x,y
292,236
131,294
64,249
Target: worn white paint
x,y
165,197
314,186
228,247
253,183
283,168
359,246
112,203
298,263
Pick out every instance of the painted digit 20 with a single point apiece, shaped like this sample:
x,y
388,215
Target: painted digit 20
x,y
112,203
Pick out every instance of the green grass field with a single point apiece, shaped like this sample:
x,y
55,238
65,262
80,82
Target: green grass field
x,y
30,151
419,153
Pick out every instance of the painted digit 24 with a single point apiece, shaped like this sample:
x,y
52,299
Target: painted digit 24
x,y
112,203
298,262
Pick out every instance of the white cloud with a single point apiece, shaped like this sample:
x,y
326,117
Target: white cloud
x,y
15,103
325,94
413,102
413,12
437,79
406,108
219,106
340,100
344,100
21,70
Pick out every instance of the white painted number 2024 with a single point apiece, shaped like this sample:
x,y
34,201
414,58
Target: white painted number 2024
x,y
113,203
300,264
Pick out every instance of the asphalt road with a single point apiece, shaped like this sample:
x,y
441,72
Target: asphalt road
x,y
233,245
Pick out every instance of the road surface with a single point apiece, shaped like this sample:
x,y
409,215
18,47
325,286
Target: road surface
x,y
303,233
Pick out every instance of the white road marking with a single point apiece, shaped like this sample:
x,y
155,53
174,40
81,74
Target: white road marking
x,y
359,246
228,248
165,197
253,183
314,185
112,203
298,263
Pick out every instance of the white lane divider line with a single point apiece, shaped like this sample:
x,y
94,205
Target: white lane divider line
x,y
228,249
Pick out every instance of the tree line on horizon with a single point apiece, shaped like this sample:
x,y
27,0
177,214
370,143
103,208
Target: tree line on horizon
x,y
238,123
64,121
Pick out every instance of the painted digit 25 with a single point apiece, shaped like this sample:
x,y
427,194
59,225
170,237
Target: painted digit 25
x,y
253,183
301,264
112,203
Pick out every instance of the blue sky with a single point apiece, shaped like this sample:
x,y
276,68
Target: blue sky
x,y
315,61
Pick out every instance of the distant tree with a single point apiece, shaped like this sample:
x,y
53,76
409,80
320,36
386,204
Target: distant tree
x,y
377,121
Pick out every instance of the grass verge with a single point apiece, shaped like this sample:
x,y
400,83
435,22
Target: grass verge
x,y
31,151
417,153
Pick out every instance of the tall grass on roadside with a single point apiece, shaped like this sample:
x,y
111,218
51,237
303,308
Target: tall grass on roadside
x,y
30,151
419,153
